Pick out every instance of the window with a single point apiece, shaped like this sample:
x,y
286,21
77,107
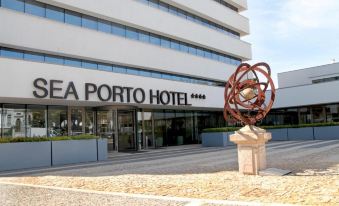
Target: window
x,y
145,73
118,29
104,26
119,69
73,18
36,121
57,121
215,56
163,6
89,65
132,71
175,45
154,39
192,50
35,8
11,53
165,43
15,124
17,5
144,36
54,59
200,52
72,62
89,22
34,57
183,47
207,54
156,75
105,67
55,13
132,33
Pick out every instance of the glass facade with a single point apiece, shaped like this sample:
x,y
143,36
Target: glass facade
x,y
303,115
133,129
89,22
51,59
192,17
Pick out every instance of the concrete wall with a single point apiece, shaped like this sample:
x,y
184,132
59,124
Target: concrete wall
x,y
216,139
74,151
25,155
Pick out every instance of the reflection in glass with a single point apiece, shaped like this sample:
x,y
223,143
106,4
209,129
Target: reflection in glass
x,y
159,128
77,121
332,113
126,130
36,121
34,8
55,13
148,129
106,127
13,120
89,122
57,121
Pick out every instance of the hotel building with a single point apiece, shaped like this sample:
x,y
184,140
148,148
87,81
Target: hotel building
x,y
142,73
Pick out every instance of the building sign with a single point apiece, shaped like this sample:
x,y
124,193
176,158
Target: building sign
x,y
58,89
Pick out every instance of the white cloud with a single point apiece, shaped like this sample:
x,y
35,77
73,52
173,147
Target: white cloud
x,y
298,15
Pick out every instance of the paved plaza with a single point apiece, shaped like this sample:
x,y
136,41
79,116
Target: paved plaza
x,y
184,175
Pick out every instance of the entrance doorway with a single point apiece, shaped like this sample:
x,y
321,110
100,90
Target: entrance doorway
x,y
118,126
126,130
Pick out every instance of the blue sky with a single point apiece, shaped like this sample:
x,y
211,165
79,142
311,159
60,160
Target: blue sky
x,y
293,34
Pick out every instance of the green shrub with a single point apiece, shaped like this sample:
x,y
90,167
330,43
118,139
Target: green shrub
x,y
231,129
42,139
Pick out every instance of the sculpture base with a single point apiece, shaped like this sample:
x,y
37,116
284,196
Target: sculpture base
x,y
251,142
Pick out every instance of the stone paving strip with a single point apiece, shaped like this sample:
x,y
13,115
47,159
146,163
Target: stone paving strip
x,y
209,173
16,194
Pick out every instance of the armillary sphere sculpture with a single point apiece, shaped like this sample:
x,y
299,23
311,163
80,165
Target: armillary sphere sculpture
x,y
245,91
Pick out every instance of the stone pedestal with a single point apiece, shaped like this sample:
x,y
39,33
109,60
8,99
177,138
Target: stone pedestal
x,y
251,142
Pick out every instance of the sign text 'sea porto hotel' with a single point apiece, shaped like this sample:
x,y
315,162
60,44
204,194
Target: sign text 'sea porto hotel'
x,y
143,73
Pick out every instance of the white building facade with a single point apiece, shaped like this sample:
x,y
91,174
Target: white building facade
x,y
306,96
143,73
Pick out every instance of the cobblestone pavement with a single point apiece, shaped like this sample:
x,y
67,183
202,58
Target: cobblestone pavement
x,y
193,172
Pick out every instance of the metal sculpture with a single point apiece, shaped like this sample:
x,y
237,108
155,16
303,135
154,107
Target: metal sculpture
x,y
245,91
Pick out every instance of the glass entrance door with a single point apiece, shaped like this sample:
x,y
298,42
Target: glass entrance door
x,y
126,130
106,123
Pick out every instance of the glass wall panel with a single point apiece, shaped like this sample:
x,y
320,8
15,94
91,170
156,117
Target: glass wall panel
x,y
89,22
105,67
13,120
34,57
106,125
318,114
140,131
132,33
148,129
332,113
90,121
36,121
170,136
105,26
77,118
73,18
57,121
72,62
159,128
54,59
35,8
55,13
17,5
11,53
118,29
305,115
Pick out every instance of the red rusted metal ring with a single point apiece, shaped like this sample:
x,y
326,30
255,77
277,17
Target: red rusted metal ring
x,y
254,104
